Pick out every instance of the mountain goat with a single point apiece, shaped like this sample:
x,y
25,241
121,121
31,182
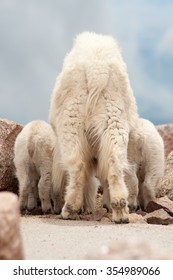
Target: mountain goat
x,y
92,111
33,156
146,163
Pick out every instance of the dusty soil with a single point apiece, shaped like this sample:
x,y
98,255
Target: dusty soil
x,y
47,237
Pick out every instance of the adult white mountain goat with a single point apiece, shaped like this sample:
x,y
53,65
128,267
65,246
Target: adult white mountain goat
x,y
92,111
33,156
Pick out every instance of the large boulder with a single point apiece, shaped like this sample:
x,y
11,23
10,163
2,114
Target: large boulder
x,y
11,247
166,131
8,133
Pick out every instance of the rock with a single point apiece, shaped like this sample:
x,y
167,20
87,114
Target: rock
x,y
165,186
136,218
159,217
8,133
10,237
161,203
140,212
166,131
96,216
129,250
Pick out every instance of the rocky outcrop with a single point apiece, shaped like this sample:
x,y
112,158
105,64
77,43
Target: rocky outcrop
x,y
10,236
166,131
8,133
166,184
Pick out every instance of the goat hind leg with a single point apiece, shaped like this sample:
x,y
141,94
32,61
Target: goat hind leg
x,y
90,194
132,184
44,191
118,195
74,197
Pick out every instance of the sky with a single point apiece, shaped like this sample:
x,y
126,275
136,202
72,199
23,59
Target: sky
x,y
35,36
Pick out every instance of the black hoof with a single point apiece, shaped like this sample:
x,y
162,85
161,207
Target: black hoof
x,y
113,205
122,202
132,208
49,211
122,221
69,208
106,207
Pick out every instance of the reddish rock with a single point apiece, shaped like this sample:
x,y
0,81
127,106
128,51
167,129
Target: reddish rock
x,y
159,217
8,133
96,216
161,203
166,131
10,237
140,212
165,186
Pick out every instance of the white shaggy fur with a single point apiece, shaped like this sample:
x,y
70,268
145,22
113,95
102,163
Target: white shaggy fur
x,y
146,158
92,111
33,156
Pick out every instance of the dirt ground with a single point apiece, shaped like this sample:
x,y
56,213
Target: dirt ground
x,y
47,237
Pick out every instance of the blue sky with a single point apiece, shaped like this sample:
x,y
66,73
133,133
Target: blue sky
x,y
36,35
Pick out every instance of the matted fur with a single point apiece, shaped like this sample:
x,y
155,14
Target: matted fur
x,y
147,163
92,111
33,157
